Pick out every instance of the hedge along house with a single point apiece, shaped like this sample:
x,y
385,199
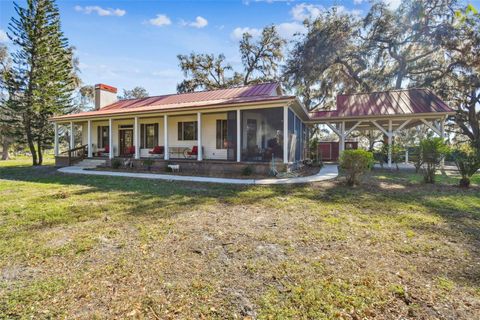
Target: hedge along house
x,y
251,124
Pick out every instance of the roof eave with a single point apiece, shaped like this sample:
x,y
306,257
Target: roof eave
x,y
167,110
365,117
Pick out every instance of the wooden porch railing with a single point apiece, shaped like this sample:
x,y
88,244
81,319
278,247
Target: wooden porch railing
x,y
75,154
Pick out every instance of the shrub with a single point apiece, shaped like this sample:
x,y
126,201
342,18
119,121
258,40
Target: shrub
x,y
355,163
247,171
380,158
116,163
148,163
415,156
467,160
432,151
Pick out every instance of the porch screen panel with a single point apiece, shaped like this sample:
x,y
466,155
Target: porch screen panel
x,y
298,132
262,135
232,135
291,133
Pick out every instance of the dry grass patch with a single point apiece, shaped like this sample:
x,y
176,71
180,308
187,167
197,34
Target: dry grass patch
x,y
96,247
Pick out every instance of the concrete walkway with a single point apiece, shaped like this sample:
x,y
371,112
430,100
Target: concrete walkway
x,y
328,172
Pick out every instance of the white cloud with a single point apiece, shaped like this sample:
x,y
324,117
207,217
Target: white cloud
x,y
304,11
3,36
358,1
342,9
393,4
101,11
238,32
160,20
287,30
200,22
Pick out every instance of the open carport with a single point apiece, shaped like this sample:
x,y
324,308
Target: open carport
x,y
387,111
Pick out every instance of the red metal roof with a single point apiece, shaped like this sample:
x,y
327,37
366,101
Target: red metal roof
x,y
253,93
387,103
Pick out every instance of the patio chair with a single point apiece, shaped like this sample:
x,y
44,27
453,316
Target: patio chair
x,y
191,153
105,152
130,151
157,150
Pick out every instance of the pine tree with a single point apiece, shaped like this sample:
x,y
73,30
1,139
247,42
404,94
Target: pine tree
x,y
41,80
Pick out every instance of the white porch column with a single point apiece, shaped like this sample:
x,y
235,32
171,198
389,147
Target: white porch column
x,y
341,145
199,136
239,146
285,134
72,136
89,138
406,156
110,138
55,146
136,139
166,154
389,135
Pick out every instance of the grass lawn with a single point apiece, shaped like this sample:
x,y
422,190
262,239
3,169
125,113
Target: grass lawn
x,y
103,247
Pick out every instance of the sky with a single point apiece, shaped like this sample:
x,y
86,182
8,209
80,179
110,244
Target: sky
x,y
128,43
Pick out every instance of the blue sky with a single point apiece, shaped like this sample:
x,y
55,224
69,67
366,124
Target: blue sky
x,y
128,43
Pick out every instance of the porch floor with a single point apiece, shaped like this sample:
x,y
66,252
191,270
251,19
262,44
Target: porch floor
x,y
328,172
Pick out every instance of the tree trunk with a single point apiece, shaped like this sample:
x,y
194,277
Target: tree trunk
x,y
40,152
31,146
5,147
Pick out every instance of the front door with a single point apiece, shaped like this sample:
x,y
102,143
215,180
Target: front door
x,y
126,141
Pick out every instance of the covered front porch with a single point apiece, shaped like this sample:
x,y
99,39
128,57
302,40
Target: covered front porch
x,y
249,135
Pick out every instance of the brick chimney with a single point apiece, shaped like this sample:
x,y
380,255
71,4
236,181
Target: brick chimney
x,y
104,95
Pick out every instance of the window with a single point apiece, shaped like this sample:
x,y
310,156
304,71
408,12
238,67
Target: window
x,y
222,142
187,130
149,135
102,136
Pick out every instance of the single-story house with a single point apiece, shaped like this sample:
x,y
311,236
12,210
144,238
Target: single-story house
x,y
251,124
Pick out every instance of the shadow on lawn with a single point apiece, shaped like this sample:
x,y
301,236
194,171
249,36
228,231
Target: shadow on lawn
x,y
157,199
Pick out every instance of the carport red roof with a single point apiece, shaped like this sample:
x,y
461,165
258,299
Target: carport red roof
x,y
254,93
387,103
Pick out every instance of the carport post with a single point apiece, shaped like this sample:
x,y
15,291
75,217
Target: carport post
x,y
390,135
341,146
442,134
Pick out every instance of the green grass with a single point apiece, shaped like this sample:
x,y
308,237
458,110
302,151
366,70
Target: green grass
x,y
101,247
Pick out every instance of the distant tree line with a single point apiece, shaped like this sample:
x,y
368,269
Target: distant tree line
x,y
427,44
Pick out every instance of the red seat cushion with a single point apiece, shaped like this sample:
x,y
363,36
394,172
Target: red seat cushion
x,y
107,149
194,150
131,150
157,150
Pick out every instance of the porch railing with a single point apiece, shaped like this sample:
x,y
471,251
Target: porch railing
x,y
75,154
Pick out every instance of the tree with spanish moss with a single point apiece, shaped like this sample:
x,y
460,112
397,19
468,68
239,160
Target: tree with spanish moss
x,y
260,61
